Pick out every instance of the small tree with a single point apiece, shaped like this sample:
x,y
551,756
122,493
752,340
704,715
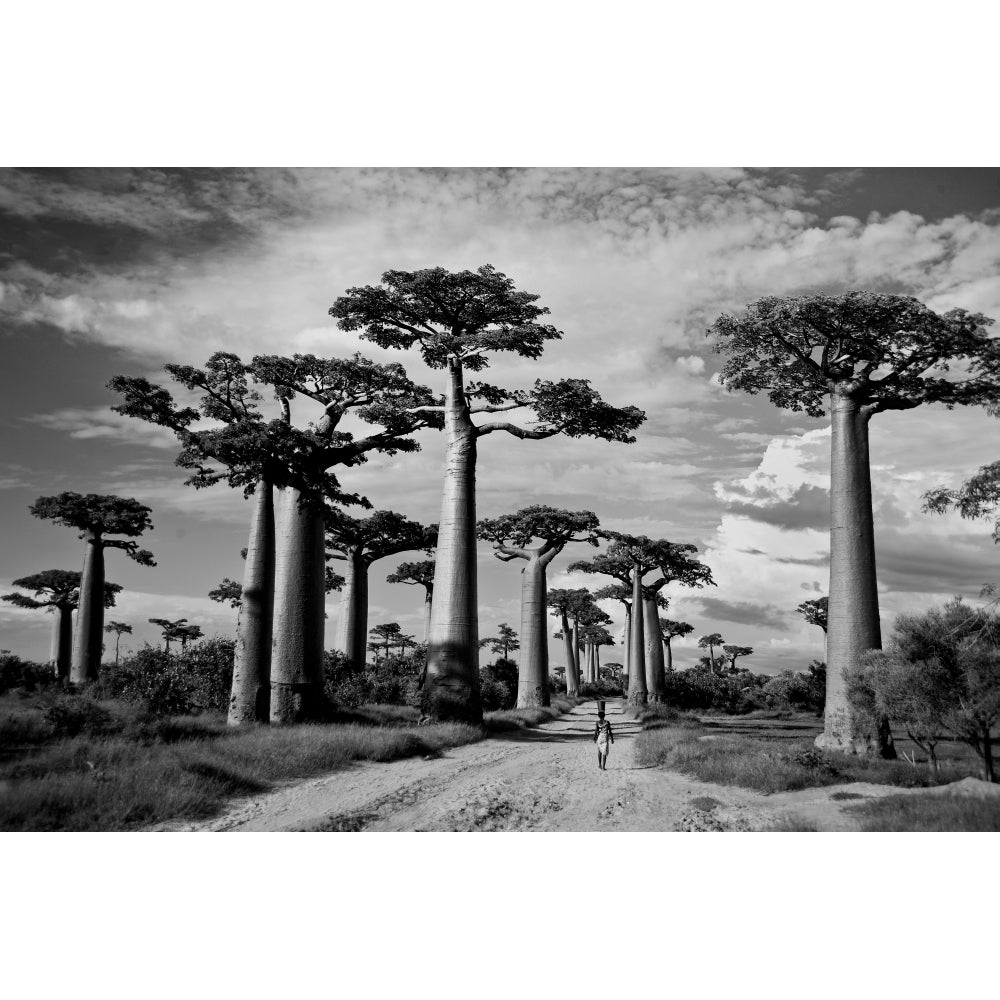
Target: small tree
x,y
384,636
58,592
671,630
457,320
868,353
96,516
503,643
733,653
119,629
709,642
173,631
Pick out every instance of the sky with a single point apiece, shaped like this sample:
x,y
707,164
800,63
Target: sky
x,y
119,271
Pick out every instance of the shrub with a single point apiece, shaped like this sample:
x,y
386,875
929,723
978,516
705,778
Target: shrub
x,y
73,716
24,675
498,685
392,681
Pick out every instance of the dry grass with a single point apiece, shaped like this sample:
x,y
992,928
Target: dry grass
x,y
679,743
929,814
509,719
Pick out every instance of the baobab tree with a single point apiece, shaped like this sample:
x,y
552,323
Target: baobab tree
x,y
733,653
359,542
815,612
709,642
417,574
621,593
119,629
384,636
633,556
536,534
173,630
868,353
286,469
671,630
978,497
588,619
58,592
565,603
96,516
503,643
456,320
593,637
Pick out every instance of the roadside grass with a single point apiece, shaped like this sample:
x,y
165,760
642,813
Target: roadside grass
x,y
682,743
791,823
929,814
72,763
505,720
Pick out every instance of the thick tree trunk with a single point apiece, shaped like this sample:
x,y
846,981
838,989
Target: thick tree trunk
x,y
597,663
352,629
580,676
85,662
62,642
637,690
572,683
451,691
628,645
533,668
250,700
853,624
669,664
655,686
299,607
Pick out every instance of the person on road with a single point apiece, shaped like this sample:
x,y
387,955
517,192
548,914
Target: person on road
x,y
603,737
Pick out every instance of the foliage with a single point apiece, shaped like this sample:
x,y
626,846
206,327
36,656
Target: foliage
x,y
733,653
98,515
504,642
815,612
414,573
498,685
977,497
382,533
393,680
199,679
228,590
71,716
929,813
24,675
801,691
56,588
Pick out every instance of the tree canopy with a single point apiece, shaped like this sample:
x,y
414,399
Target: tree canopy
x,y
888,352
381,534
55,588
96,515
513,534
414,573
815,611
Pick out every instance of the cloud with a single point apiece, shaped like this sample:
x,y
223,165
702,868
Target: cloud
x,y
743,612
101,422
807,507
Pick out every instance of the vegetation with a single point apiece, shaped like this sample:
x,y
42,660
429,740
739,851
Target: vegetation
x,y
868,352
929,813
456,320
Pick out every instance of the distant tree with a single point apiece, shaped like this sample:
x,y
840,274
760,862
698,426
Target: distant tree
x,y
96,516
504,642
589,622
977,497
189,633
173,630
567,603
536,534
733,653
709,642
815,612
58,592
384,636
622,593
120,629
417,574
671,630
358,542
869,352
456,320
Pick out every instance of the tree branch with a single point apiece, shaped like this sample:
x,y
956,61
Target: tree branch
x,y
518,432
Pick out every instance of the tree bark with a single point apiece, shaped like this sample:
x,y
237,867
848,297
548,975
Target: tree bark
x,y
628,643
428,600
669,665
580,675
533,668
85,662
62,642
451,691
655,686
853,619
637,690
250,699
572,682
299,607
352,629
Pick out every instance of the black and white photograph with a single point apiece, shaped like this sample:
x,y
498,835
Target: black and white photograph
x,y
574,427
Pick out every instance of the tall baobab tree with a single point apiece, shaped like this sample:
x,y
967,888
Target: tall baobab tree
x,y
58,592
868,353
286,470
96,516
565,603
417,574
622,593
536,535
627,556
359,542
709,642
589,618
119,629
671,630
456,320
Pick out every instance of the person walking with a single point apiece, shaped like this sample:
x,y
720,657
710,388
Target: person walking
x,y
603,737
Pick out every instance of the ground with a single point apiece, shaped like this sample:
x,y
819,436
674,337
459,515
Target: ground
x,y
545,778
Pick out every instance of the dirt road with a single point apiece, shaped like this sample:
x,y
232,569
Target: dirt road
x,y
537,779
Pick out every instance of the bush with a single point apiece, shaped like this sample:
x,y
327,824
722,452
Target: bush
x,y
24,675
196,680
73,716
498,685
392,681
604,688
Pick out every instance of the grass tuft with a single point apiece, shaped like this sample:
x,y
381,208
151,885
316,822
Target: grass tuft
x,y
929,813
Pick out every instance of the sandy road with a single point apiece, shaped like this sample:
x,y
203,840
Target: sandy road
x,y
537,779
